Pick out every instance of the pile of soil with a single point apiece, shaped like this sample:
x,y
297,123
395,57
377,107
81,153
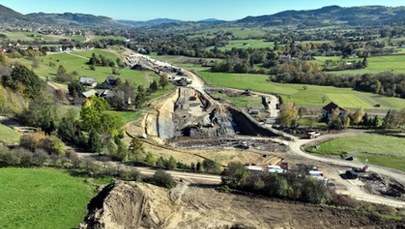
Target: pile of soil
x,y
380,185
138,205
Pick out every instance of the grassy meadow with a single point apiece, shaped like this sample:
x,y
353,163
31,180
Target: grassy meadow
x,y
312,96
388,151
42,198
376,64
250,43
76,61
238,32
33,36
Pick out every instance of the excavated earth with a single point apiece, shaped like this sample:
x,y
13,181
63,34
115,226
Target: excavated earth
x,y
139,205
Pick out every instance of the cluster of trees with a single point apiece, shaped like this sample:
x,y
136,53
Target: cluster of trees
x,y
292,186
344,65
136,153
23,80
394,119
100,60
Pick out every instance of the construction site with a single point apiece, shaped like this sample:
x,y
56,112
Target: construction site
x,y
195,122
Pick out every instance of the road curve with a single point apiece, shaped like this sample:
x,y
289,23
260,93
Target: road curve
x,y
353,190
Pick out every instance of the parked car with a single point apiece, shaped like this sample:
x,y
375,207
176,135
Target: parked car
x,y
350,174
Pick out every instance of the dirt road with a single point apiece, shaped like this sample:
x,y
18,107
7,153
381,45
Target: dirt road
x,y
353,188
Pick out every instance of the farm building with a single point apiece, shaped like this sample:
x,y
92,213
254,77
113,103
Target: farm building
x,y
329,109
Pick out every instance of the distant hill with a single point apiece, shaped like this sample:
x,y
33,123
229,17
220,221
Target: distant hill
x,y
8,15
70,19
153,22
211,21
332,15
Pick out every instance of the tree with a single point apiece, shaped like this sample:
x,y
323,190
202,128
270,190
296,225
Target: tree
x,y
136,151
115,71
61,72
42,113
235,175
153,87
92,110
401,119
365,62
3,58
69,130
198,167
171,163
211,166
24,78
389,120
376,122
119,63
358,116
164,80
288,114
150,159
94,142
122,150
75,88
140,97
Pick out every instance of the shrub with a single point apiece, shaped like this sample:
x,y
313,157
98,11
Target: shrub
x,y
163,179
32,141
53,145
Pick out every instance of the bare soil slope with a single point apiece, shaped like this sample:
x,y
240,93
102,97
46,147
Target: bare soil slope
x,y
138,205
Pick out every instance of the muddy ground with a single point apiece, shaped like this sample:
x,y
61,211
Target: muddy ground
x,y
139,205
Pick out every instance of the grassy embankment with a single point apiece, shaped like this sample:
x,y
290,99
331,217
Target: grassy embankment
x,y
9,136
42,198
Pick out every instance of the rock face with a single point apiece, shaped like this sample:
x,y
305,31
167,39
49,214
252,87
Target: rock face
x,y
138,205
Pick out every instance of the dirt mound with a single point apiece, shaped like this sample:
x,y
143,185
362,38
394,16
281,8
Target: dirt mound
x,y
138,205
381,185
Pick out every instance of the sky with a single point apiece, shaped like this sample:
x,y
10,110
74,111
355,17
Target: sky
x,y
189,10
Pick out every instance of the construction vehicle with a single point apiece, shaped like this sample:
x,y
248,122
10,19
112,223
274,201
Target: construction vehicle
x,y
193,97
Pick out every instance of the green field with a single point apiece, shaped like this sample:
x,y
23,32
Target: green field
x,y
376,64
247,44
239,32
9,136
378,149
76,61
127,116
345,97
240,101
37,37
42,198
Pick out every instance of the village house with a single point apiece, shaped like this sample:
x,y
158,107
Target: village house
x,y
109,83
329,109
